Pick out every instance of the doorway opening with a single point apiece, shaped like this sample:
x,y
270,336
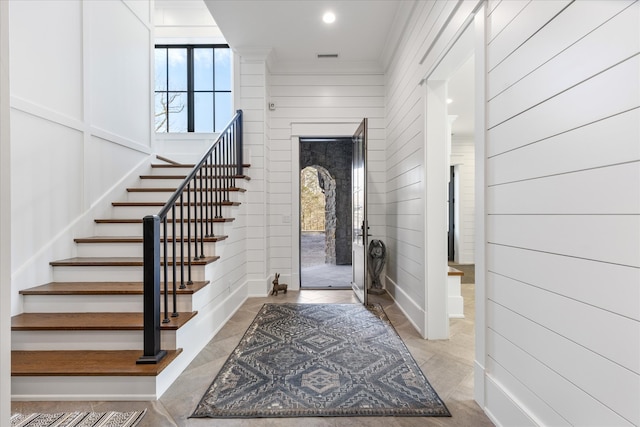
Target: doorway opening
x,y
317,216
450,99
325,215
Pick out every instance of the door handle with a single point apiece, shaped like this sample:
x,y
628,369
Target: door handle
x,y
364,233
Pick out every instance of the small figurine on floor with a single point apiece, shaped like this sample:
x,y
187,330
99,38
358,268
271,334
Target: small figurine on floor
x,y
277,286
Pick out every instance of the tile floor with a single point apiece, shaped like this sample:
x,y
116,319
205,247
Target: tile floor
x,y
447,364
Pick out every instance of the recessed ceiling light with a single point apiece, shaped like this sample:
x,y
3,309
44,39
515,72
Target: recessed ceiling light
x,y
329,18
449,100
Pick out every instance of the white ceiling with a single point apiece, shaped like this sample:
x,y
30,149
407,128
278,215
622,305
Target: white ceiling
x,y
294,31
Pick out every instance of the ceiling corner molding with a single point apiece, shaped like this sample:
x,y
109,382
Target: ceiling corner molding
x,y
400,22
254,53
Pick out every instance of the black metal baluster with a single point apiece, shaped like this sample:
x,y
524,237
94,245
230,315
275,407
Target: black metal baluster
x,y
182,285
217,183
195,217
225,167
232,164
213,191
174,259
237,126
201,219
189,281
166,273
205,228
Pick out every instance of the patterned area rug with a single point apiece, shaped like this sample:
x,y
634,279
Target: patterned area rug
x,y
78,419
311,360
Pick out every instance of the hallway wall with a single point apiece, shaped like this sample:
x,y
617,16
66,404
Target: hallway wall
x,y
303,97
563,206
423,42
559,303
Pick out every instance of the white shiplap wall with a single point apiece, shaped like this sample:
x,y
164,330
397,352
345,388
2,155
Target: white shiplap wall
x,y
251,99
563,205
315,98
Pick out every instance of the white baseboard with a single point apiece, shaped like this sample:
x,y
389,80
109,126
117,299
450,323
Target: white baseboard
x,y
258,288
502,409
407,305
456,307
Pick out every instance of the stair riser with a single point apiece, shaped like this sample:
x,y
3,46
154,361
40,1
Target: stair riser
x,y
85,340
160,182
142,211
170,171
135,230
98,303
163,196
136,249
112,274
174,183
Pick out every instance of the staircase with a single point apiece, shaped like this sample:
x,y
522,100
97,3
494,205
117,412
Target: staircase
x,y
80,336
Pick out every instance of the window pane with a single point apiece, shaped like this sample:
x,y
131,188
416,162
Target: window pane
x,y
203,69
223,110
203,112
223,69
161,112
177,69
177,110
161,68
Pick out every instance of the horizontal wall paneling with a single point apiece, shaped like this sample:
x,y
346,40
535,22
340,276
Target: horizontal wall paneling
x,y
552,39
570,109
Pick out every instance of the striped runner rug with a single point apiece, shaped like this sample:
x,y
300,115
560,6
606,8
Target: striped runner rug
x,y
78,419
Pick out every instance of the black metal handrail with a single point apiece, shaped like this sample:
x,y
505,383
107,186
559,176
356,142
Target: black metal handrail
x,y
206,189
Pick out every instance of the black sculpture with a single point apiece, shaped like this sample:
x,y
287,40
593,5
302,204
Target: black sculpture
x,y
377,258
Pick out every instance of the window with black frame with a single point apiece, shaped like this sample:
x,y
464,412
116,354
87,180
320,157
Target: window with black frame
x,y
192,88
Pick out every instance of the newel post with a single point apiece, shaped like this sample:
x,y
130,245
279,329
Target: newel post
x,y
151,235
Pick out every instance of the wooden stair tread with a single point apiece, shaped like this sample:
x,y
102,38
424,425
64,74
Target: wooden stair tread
x,y
86,363
182,177
102,288
121,261
169,221
172,190
454,272
161,204
122,321
136,239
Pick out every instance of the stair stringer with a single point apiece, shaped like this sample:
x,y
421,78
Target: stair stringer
x,y
197,335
